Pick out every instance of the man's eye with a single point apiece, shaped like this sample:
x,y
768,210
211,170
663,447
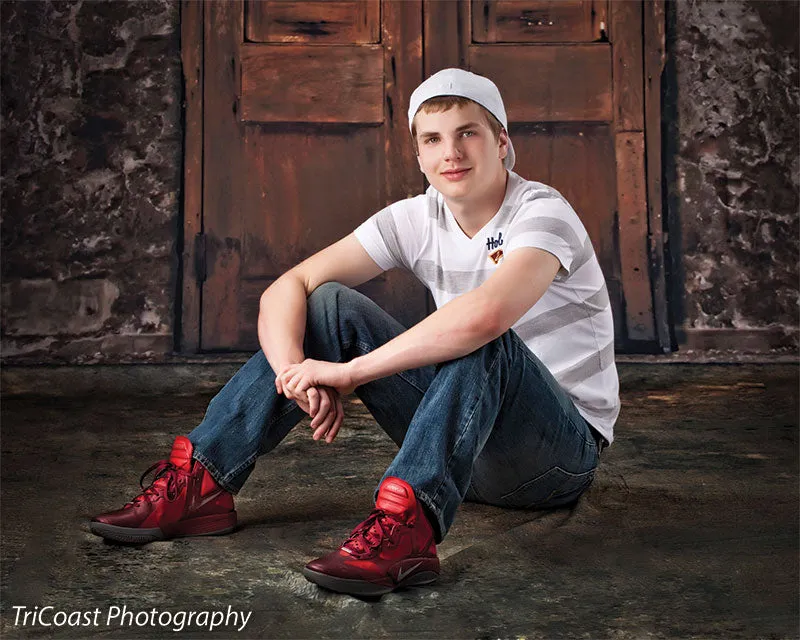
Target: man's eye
x,y
429,140
471,133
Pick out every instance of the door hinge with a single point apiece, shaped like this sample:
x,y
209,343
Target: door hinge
x,y
200,257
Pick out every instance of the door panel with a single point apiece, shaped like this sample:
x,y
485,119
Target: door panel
x,y
325,84
328,22
300,181
539,83
521,21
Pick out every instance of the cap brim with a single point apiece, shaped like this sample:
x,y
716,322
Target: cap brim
x,y
511,157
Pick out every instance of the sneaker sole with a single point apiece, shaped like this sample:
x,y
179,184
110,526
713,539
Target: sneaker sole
x,y
205,526
364,588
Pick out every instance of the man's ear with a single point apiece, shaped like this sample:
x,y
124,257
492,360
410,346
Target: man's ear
x,y
503,140
419,162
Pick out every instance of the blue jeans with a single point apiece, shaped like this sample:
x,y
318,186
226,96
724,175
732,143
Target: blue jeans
x,y
493,426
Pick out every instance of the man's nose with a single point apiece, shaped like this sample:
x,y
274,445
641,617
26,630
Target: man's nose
x,y
452,149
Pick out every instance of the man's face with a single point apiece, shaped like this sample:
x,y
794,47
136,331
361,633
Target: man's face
x,y
458,153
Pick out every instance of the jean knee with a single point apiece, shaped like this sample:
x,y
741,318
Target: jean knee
x,y
503,343
324,296
327,303
332,310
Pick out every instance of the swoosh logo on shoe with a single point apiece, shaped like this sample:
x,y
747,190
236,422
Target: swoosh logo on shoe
x,y
197,502
403,574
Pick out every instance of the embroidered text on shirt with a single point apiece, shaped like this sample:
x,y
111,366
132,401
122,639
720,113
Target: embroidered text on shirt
x,y
491,243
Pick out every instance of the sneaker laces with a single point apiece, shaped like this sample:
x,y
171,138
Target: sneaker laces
x,y
166,476
370,534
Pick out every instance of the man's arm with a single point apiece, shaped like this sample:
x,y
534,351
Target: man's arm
x,y
466,323
283,307
282,321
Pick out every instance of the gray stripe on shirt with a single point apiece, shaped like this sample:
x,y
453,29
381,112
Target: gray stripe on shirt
x,y
586,368
545,193
585,255
388,230
450,281
435,211
554,226
564,315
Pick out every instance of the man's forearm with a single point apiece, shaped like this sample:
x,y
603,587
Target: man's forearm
x,y
456,329
282,322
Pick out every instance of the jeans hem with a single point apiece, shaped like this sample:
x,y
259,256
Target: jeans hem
x,y
439,529
214,472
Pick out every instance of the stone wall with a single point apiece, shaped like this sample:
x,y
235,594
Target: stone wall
x,y
737,173
91,174
91,158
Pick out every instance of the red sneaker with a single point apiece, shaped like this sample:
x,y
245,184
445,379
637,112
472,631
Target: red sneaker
x,y
391,549
183,500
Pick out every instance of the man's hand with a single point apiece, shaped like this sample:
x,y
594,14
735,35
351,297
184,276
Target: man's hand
x,y
323,404
326,411
297,378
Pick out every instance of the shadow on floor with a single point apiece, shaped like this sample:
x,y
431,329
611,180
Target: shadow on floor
x,y
691,527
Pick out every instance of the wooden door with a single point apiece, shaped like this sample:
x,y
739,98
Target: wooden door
x,y
305,135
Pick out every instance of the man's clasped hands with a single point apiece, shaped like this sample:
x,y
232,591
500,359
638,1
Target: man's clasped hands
x,y
318,388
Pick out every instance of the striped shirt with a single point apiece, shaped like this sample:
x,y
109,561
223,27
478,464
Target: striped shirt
x,y
570,328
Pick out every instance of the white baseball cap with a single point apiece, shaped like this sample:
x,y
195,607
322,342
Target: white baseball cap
x,y
458,82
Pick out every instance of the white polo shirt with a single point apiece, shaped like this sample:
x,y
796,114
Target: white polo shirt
x,y
570,329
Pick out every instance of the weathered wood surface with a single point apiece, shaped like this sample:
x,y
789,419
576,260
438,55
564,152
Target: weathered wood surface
x,y
446,33
306,135
306,83
654,61
632,206
533,21
192,60
223,174
626,19
330,22
549,83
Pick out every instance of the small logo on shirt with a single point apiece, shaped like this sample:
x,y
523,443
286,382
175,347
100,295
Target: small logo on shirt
x,y
491,243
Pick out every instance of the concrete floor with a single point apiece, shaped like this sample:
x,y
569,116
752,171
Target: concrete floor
x,y
690,530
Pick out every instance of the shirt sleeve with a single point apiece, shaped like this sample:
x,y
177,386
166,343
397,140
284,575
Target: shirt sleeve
x,y
552,225
382,238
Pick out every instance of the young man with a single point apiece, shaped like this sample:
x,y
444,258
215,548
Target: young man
x,y
505,395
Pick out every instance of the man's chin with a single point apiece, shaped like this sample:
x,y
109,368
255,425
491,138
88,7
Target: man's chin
x,y
444,186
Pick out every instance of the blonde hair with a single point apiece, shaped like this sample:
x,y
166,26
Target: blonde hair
x,y
445,103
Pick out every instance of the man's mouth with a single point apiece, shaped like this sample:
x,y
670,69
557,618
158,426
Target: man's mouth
x,y
455,174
